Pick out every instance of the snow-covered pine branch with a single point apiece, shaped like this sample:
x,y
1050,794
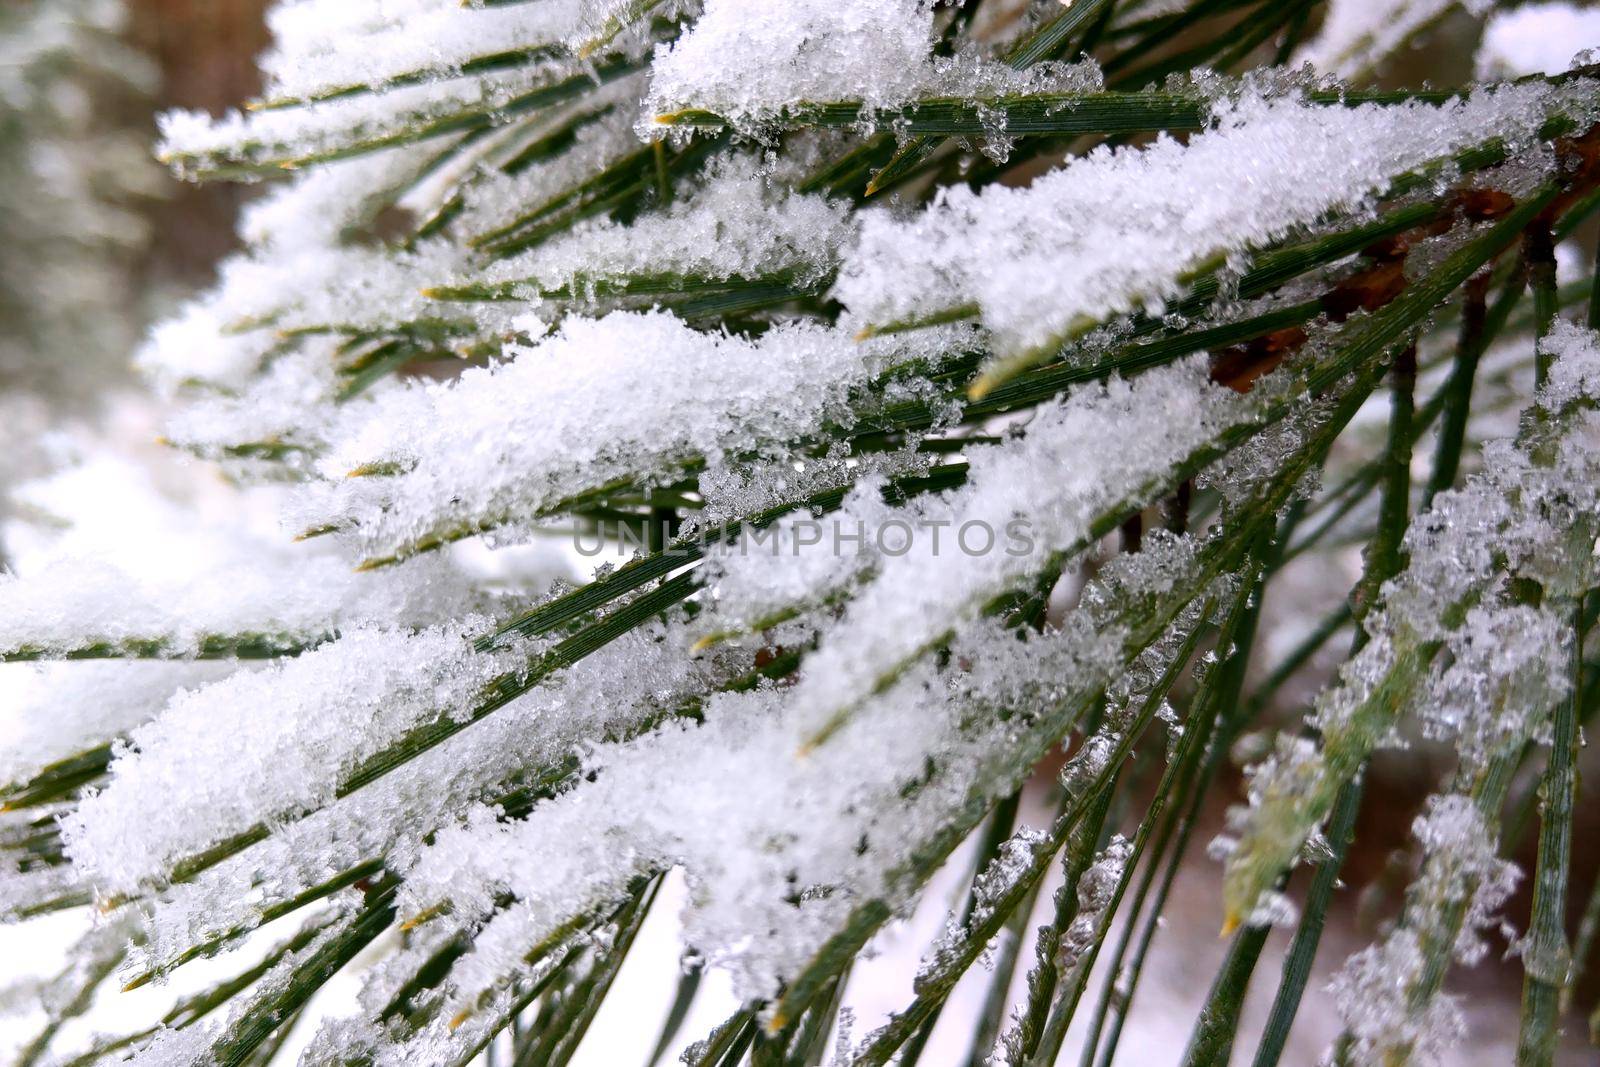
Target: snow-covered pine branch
x,y
966,379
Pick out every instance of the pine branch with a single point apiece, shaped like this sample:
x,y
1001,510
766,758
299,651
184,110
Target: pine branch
x,y
533,268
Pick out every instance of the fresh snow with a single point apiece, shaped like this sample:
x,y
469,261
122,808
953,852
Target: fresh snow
x,y
1121,230
509,444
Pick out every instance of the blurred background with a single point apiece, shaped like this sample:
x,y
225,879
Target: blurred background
x,y
204,52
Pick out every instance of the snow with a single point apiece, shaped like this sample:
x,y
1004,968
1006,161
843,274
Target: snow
x,y
613,694
1029,498
799,826
1524,515
734,225
602,123
277,139
322,45
1375,990
1121,230
875,54
734,64
1506,671
357,75
305,722
52,711
254,589
146,577
1537,39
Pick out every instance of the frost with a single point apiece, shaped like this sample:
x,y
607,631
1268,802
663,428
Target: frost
x,y
1240,474
1275,909
1365,991
1574,366
1527,513
1462,885
1507,671
1002,874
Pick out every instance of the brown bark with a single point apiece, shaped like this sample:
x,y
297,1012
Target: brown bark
x,y
206,51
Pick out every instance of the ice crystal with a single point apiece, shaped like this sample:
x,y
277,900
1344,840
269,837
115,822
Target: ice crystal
x,y
1462,885
1523,515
